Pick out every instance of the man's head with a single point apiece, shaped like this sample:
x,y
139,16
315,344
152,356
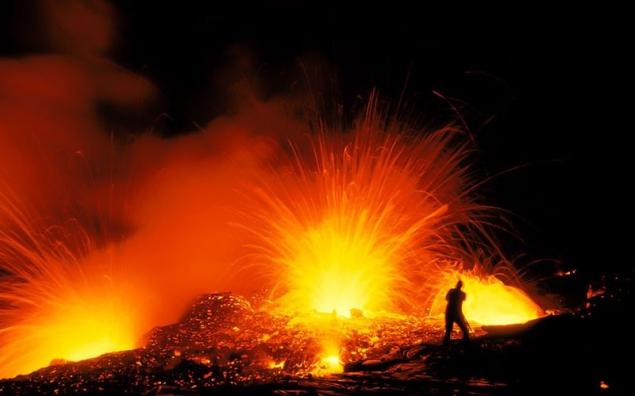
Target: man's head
x,y
459,284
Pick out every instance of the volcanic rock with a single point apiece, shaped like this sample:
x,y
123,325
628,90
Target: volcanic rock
x,y
223,344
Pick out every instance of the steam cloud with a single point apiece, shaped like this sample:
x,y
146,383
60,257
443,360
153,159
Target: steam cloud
x,y
160,209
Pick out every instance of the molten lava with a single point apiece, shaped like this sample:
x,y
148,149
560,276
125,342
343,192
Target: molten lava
x,y
489,301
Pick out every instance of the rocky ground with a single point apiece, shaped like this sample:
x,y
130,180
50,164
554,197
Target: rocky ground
x,y
223,345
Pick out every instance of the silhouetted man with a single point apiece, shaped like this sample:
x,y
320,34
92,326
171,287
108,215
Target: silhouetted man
x,y
454,312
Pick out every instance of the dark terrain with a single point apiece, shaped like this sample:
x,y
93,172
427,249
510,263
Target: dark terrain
x,y
218,348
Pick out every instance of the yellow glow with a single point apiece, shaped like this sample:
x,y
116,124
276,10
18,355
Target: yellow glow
x,y
329,361
70,328
489,301
83,334
329,364
276,365
337,270
332,364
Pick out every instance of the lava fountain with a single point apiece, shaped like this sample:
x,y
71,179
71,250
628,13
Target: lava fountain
x,y
371,220
376,221
55,305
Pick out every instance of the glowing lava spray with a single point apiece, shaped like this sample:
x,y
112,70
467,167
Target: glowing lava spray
x,y
54,304
368,219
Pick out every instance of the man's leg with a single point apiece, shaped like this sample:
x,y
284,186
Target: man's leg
x,y
463,325
448,330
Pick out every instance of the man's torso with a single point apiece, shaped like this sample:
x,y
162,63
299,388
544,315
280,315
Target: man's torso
x,y
455,299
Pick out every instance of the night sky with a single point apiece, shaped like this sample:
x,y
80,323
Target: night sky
x,y
544,90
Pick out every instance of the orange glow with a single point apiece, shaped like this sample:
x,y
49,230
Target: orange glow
x,y
489,301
